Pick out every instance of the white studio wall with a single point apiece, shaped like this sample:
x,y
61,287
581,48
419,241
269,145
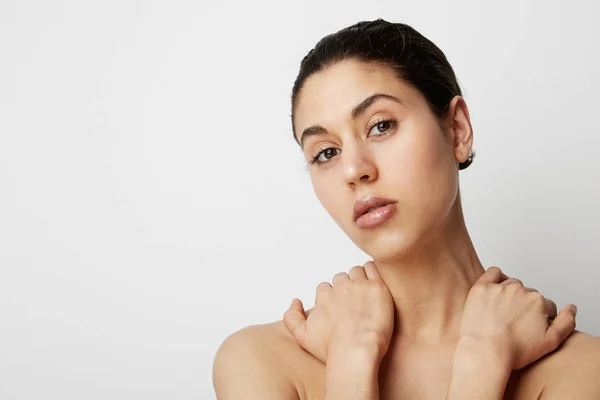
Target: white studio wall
x,y
153,200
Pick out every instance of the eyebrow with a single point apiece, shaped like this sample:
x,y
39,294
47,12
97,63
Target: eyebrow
x,y
357,111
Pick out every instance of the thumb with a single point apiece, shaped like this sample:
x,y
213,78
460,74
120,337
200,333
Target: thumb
x,y
294,320
492,275
561,327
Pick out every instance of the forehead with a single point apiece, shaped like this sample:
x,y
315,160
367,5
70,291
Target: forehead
x,y
327,97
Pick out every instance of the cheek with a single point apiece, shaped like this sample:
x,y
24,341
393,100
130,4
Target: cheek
x,y
330,197
423,179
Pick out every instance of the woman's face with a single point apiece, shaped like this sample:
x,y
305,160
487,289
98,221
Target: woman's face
x,y
408,159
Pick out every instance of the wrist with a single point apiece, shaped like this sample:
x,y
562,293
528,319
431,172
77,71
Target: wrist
x,y
472,353
480,370
355,352
354,363
352,373
367,347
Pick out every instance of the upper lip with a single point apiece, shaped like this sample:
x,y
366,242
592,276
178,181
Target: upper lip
x,y
361,206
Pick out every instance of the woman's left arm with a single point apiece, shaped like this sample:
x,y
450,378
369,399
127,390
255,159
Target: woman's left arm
x,y
504,327
479,371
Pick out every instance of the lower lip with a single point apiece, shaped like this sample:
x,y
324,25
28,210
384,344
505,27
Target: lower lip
x,y
377,216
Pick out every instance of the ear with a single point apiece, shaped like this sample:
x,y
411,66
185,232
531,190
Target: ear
x,y
460,130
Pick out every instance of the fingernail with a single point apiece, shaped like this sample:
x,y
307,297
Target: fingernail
x,y
574,310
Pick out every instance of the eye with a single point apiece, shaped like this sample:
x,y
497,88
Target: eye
x,y
381,124
327,152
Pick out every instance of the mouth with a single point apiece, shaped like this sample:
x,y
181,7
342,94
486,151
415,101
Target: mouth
x,y
377,216
369,204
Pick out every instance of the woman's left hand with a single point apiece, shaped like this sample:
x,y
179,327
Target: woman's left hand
x,y
517,321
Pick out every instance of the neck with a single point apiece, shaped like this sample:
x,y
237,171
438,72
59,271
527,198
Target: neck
x,y
430,285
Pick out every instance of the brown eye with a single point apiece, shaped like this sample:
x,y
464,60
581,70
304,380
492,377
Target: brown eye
x,y
328,152
382,125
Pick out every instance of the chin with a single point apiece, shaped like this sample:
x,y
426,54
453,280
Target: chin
x,y
386,245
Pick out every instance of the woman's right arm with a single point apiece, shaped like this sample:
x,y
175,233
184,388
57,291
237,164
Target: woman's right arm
x,y
352,373
349,330
242,369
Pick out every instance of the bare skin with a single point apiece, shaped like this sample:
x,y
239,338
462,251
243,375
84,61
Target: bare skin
x,y
423,253
267,357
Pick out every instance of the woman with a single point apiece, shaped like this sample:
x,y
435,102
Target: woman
x,y
381,121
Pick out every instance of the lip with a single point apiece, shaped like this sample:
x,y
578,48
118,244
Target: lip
x,y
361,206
377,216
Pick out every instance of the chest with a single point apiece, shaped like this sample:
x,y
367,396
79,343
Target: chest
x,y
419,377
415,375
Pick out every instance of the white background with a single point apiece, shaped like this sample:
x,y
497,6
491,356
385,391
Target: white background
x,y
153,200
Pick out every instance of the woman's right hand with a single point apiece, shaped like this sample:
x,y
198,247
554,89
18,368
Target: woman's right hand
x,y
357,311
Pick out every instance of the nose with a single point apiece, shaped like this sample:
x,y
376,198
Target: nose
x,y
359,166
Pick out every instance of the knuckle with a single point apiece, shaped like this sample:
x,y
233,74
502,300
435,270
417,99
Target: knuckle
x,y
521,289
479,289
288,316
499,289
339,279
369,268
513,289
495,270
538,299
378,285
356,268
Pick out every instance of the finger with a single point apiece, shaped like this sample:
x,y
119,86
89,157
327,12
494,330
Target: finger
x,y
294,320
492,275
512,281
357,273
562,326
339,278
371,271
550,308
321,289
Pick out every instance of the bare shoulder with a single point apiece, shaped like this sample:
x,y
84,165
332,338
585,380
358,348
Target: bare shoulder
x,y
574,372
571,371
578,354
248,364
263,359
